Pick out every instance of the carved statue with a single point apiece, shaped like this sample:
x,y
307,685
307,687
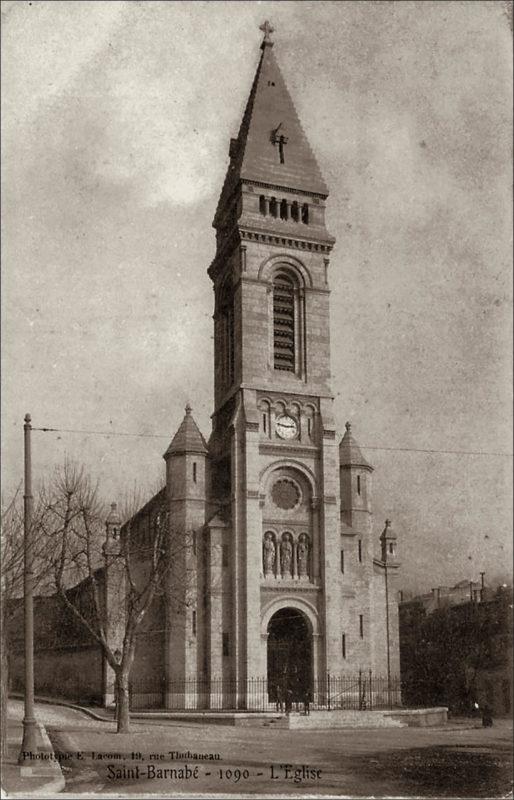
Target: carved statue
x,y
303,555
269,553
286,555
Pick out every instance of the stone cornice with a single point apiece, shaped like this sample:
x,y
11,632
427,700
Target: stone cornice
x,y
366,467
224,252
310,244
249,233
279,449
246,184
282,523
382,565
289,586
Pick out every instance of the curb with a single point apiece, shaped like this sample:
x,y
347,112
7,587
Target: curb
x,y
179,716
53,702
55,782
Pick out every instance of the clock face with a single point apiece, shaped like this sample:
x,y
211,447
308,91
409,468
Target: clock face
x,y
286,427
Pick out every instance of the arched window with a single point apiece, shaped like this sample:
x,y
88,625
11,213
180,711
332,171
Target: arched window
x,y
283,209
264,408
284,322
273,207
226,310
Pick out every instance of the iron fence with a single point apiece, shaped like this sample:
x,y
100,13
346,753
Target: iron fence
x,y
364,691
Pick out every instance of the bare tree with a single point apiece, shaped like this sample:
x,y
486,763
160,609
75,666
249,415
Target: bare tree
x,y
148,561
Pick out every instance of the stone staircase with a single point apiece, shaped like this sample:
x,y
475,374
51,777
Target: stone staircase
x,y
338,719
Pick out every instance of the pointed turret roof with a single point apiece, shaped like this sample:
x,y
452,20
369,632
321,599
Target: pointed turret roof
x,y
388,532
188,438
270,113
350,454
113,518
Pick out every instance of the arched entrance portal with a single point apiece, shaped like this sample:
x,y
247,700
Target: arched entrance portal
x,y
289,656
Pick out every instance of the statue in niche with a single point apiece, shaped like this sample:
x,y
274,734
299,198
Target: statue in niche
x,y
303,555
286,555
269,553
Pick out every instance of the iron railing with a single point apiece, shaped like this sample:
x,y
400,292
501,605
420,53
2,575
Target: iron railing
x,y
364,691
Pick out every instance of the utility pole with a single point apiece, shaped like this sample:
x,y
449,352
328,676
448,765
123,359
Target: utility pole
x,y
388,642
29,743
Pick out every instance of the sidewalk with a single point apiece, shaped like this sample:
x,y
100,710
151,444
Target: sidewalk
x,y
222,716
41,777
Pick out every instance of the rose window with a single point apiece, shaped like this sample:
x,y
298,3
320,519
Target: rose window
x,y
285,494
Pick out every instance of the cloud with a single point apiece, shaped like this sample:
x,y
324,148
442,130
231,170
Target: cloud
x,y
57,39
116,124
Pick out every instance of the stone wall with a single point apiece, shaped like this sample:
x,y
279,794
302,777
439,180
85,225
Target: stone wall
x,y
75,674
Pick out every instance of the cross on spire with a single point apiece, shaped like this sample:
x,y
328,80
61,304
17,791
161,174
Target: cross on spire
x,y
279,138
267,29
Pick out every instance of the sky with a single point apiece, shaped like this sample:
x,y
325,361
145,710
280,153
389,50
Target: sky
x,y
116,121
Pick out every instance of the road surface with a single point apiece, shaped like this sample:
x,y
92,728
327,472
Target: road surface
x,y
171,757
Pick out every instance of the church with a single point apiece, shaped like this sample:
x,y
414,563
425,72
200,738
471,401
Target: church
x,y
287,574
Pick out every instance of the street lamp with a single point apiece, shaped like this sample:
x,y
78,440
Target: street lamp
x,y
29,742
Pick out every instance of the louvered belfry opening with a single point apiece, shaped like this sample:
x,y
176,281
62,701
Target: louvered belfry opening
x,y
284,323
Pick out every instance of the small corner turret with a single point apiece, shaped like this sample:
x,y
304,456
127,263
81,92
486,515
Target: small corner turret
x,y
112,531
355,482
186,460
388,541
187,439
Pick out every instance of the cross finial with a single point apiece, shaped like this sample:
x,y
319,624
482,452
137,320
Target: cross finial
x,y
188,410
267,29
348,427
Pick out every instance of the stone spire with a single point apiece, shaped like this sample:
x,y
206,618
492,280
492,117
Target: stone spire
x,y
188,438
350,454
270,116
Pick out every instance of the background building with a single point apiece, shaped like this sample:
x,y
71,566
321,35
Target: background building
x,y
459,651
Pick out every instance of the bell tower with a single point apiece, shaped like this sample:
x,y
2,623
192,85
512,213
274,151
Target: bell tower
x,y
273,453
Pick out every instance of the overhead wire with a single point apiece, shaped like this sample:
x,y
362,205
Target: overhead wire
x,y
363,447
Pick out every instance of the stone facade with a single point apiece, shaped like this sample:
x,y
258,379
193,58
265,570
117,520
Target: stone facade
x,y
280,514
273,571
